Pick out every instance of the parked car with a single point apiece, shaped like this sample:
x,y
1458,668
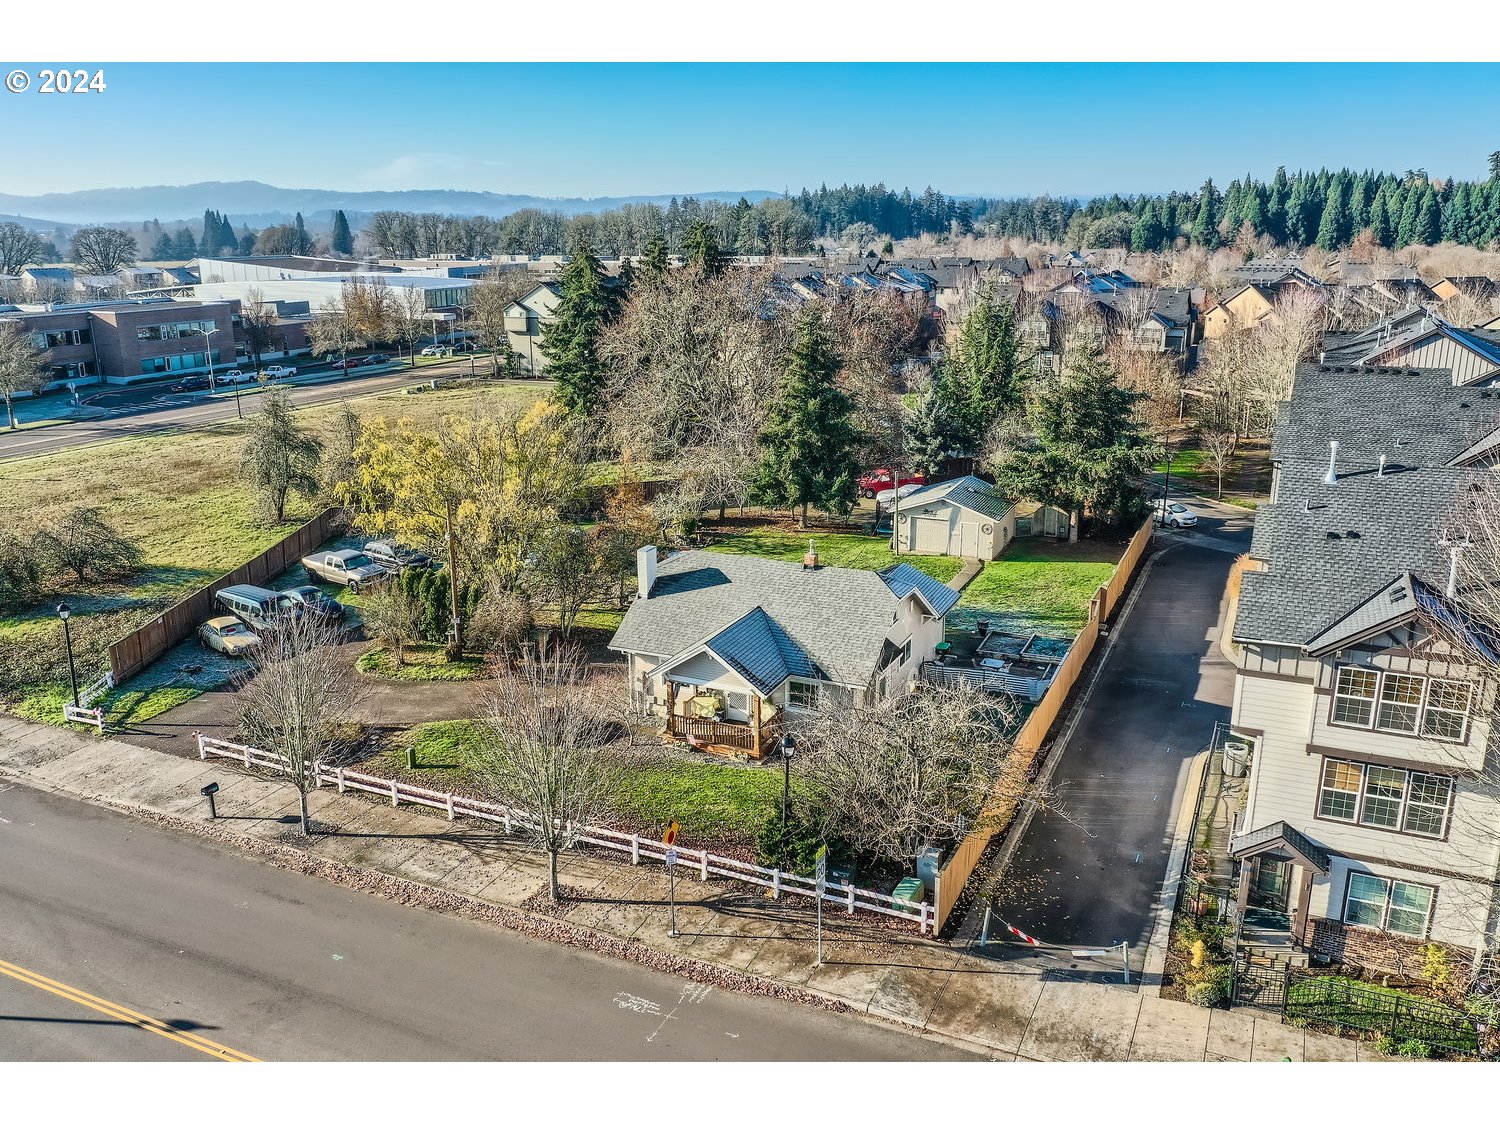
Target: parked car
x,y
254,605
888,497
1169,513
344,364
393,557
344,568
231,377
437,349
191,383
228,635
372,360
277,371
310,600
878,480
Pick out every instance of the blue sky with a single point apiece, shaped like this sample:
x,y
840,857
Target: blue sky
x,y
632,129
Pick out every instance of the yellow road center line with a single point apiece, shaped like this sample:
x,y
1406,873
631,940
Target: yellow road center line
x,y
125,1015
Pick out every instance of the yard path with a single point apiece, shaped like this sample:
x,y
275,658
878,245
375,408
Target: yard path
x,y
966,574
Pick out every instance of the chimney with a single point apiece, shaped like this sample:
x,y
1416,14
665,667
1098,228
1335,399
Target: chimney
x,y
1380,472
645,570
1333,457
810,560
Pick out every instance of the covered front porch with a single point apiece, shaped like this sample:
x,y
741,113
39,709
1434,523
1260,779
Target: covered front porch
x,y
706,717
1278,865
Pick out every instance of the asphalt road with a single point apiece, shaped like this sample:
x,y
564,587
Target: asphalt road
x,y
1091,876
156,410
214,949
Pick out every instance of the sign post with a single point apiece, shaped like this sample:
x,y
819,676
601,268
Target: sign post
x,y
822,883
670,839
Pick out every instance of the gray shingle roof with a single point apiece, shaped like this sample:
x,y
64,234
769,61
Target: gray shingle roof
x,y
903,578
969,493
760,650
837,616
1278,834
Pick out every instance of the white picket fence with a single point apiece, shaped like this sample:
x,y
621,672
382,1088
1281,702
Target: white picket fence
x,y
86,712
639,848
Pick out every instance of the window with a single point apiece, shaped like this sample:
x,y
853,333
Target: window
x,y
802,696
1400,703
1340,795
1388,904
1352,696
1385,797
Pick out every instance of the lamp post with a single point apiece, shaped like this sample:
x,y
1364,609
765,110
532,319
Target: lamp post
x,y
64,611
208,353
788,751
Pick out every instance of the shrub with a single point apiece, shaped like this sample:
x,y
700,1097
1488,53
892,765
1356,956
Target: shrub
x,y
21,569
83,542
1413,1049
795,848
1207,987
501,624
1387,1045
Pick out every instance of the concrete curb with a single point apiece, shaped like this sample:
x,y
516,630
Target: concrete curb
x,y
1155,965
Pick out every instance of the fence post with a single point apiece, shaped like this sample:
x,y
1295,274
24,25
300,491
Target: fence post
x,y
247,757
394,801
704,877
776,882
635,849
450,806
851,898
202,753
507,820
341,779
1286,987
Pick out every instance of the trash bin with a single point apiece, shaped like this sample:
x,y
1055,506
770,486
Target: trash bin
x,y
908,890
929,862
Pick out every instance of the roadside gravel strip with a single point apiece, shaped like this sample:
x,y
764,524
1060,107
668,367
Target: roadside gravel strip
x,y
408,892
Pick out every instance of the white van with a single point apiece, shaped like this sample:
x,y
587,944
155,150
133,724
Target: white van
x,y
255,606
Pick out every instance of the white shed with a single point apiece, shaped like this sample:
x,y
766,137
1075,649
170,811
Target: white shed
x,y
965,517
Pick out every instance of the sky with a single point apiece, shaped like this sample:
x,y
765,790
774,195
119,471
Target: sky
x,y
641,129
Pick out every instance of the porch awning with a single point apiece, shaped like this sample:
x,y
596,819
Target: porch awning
x,y
1278,836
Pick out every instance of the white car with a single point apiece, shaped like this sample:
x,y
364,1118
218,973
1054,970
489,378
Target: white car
x,y
277,371
233,377
437,349
887,497
1169,513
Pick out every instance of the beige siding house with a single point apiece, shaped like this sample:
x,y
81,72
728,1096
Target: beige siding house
x,y
964,517
1371,825
527,319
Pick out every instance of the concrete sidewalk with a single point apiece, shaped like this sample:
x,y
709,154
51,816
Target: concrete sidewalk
x,y
1017,1007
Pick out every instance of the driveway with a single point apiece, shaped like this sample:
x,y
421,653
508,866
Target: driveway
x,y
1091,873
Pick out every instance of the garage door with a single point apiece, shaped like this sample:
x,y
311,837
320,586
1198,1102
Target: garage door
x,y
932,535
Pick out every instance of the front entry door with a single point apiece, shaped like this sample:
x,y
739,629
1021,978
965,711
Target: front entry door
x,y
1269,885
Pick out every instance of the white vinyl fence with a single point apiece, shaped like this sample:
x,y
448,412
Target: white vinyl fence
x,y
86,712
703,863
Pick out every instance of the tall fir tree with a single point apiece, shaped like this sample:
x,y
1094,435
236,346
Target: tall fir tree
x,y
1205,231
809,444
981,379
1380,219
571,342
1147,234
1333,227
1278,204
303,242
655,262
1428,228
342,239
701,248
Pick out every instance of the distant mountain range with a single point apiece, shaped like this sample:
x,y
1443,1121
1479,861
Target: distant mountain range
x,y
248,201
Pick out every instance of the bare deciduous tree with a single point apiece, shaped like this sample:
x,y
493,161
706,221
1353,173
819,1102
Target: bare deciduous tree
x,y
103,250
1218,451
393,617
19,248
297,700
541,749
22,370
921,768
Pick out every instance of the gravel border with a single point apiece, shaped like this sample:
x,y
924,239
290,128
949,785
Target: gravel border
x,y
408,892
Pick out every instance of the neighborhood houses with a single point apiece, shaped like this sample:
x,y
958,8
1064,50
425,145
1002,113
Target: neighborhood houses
x,y
1055,629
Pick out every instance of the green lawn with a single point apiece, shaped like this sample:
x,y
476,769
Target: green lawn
x,y
1372,1007
711,800
1038,584
1184,461
422,661
860,552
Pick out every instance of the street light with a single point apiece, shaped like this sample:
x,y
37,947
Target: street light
x,y
65,611
208,352
788,750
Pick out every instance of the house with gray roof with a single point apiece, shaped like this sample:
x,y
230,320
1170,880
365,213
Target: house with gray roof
x,y
966,517
723,646
1371,822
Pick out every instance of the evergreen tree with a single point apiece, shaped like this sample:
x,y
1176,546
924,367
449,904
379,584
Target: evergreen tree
x,y
208,242
228,243
1206,225
1254,209
1333,228
342,241
183,244
1495,166
809,443
1086,452
929,435
1380,219
982,378
655,262
1148,234
701,248
571,343
1406,227
164,249
303,243
1278,203
1428,228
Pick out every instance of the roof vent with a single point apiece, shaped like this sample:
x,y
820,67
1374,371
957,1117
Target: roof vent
x,y
1332,476
810,560
1351,535
1334,535
1380,472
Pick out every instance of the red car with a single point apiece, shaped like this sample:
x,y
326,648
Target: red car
x,y
345,364
878,480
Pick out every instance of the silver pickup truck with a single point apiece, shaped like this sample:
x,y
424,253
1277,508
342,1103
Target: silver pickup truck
x,y
344,568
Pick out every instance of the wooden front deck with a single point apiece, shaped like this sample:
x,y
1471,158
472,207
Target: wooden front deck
x,y
729,738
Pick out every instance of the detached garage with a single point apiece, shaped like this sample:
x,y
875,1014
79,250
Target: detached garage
x,y
964,517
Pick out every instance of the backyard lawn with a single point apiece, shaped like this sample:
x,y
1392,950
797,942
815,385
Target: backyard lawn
x,y
710,799
1038,585
859,552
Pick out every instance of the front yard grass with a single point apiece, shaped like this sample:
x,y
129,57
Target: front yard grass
x,y
711,800
859,552
1038,585
422,661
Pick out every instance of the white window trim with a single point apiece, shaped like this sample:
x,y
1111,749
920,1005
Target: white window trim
x,y
1375,704
815,685
1385,914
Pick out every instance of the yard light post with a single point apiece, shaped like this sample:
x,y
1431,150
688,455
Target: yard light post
x,y
788,751
64,611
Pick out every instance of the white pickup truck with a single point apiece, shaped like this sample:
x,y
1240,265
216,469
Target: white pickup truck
x,y
344,568
277,371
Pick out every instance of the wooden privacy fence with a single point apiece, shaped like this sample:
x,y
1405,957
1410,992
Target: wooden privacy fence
x,y
703,863
954,875
135,650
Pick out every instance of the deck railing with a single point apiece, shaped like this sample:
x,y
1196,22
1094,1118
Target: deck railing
x,y
741,736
